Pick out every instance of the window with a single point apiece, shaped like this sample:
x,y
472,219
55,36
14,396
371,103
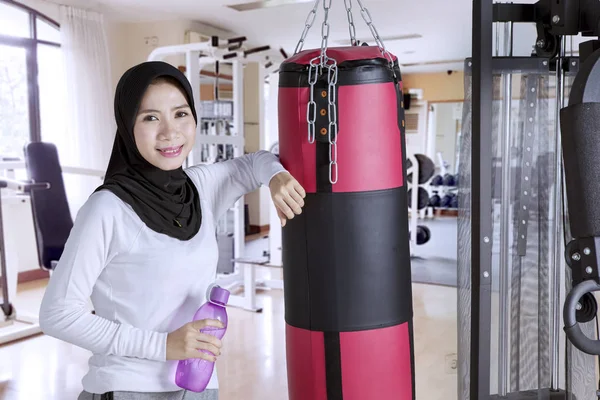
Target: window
x,y
31,78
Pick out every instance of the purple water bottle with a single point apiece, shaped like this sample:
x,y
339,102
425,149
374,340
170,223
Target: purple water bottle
x,y
194,374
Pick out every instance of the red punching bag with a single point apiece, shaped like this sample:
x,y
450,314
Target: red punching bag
x,y
346,258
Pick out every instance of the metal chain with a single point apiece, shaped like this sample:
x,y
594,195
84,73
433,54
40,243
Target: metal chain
x,y
310,19
332,76
351,27
367,17
325,33
316,69
313,74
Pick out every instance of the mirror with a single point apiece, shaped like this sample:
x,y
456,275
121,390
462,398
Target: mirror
x,y
444,130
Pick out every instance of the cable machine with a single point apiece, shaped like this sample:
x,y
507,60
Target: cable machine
x,y
528,223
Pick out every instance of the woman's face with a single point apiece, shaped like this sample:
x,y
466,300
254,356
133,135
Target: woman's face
x,y
165,127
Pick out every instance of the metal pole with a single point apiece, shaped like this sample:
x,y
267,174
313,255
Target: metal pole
x,y
503,374
557,256
497,30
5,303
481,205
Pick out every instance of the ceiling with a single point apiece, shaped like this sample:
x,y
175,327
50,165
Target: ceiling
x,y
437,33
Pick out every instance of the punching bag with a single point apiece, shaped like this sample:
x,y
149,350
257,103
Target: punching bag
x,y
346,258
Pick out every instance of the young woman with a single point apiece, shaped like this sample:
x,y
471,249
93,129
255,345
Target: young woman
x,y
143,246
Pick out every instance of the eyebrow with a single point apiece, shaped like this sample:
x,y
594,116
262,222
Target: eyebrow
x,y
156,111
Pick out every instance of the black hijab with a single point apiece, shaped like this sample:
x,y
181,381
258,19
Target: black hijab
x,y
167,201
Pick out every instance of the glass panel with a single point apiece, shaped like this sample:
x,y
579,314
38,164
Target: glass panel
x,y
14,101
14,21
527,247
47,32
51,81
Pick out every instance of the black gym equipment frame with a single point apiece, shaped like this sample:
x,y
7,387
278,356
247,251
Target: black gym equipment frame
x,y
580,121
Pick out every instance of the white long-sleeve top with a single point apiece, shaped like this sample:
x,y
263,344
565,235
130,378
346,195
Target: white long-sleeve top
x,y
142,284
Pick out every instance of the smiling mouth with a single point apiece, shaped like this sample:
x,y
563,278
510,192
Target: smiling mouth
x,y
171,151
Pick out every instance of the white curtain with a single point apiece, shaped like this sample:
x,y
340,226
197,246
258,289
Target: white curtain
x,y
89,109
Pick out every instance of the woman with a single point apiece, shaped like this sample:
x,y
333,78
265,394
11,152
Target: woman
x,y
143,246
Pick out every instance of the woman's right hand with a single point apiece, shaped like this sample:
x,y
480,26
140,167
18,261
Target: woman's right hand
x,y
187,341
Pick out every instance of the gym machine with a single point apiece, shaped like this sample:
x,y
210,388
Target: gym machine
x,y
13,326
423,168
47,230
526,203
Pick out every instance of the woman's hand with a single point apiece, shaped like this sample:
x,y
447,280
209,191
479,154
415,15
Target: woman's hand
x,y
288,196
187,341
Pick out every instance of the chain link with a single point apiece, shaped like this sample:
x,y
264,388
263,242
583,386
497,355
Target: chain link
x,y
368,20
331,65
310,19
332,76
313,74
325,33
351,27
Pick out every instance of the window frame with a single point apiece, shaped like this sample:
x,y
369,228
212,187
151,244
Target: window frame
x,y
30,44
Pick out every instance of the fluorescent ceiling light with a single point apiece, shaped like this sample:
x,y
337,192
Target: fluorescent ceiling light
x,y
440,62
384,39
257,5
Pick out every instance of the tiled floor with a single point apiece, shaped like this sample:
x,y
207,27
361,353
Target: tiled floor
x,y
252,366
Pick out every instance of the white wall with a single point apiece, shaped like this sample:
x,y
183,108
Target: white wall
x,y
132,43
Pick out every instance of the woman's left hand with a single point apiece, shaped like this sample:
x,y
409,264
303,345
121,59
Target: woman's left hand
x,y
288,196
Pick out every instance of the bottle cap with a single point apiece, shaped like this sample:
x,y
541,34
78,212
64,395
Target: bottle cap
x,y
219,295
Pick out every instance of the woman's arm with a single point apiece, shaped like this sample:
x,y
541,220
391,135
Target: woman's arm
x,y
225,182
64,314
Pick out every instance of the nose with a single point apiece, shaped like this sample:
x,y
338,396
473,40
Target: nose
x,y
168,130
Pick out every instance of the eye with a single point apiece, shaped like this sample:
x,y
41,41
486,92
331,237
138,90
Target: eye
x,y
182,114
150,118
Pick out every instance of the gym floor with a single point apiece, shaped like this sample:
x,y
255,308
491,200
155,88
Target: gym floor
x,y
252,366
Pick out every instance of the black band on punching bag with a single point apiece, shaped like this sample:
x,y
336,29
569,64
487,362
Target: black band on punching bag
x,y
353,72
333,365
323,183
353,271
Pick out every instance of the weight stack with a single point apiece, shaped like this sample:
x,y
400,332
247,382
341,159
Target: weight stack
x,y
347,275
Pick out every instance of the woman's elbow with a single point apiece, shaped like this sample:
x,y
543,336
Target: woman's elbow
x,y
51,318
47,320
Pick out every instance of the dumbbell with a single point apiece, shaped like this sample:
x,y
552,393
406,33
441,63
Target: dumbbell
x,y
449,180
437,180
447,200
435,200
454,202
